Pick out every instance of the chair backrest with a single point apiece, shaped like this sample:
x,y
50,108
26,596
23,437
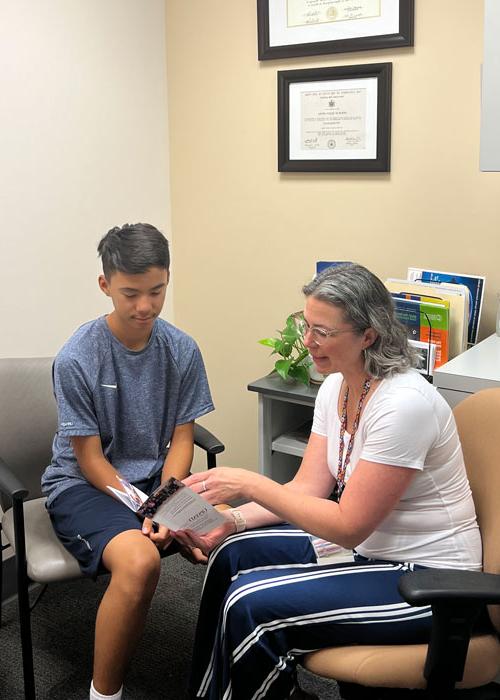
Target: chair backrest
x,y
478,422
28,419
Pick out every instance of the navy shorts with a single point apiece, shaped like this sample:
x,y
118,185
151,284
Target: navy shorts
x,y
86,520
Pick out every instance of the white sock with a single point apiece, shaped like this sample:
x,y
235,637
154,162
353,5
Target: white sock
x,y
96,695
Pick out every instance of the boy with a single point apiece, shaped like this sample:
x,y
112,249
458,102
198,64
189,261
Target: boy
x,y
128,388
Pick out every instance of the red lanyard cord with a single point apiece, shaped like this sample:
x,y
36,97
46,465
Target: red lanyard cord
x,y
342,464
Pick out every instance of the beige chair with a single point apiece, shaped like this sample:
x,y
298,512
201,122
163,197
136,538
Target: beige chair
x,y
379,672
28,420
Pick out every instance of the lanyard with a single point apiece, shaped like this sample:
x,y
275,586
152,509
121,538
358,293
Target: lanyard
x,y
342,465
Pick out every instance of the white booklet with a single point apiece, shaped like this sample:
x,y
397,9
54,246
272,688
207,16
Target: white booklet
x,y
172,504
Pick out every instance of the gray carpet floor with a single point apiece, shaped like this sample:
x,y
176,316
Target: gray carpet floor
x,y
63,626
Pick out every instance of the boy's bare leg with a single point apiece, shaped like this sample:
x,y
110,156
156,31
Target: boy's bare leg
x,y
134,563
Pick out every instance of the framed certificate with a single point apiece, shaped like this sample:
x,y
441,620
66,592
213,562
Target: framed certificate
x,y
288,28
335,119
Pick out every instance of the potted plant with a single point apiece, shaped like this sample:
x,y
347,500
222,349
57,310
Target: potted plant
x,y
294,359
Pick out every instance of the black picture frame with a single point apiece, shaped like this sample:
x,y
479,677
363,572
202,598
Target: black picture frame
x,y
380,133
403,37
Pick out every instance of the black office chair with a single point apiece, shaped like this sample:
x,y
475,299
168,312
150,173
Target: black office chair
x,y
453,664
28,420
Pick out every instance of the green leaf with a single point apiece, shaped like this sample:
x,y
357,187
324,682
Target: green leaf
x,y
291,335
300,372
269,342
279,347
282,367
303,358
291,331
289,344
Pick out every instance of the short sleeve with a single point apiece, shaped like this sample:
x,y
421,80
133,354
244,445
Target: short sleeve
x,y
401,431
75,406
195,399
326,405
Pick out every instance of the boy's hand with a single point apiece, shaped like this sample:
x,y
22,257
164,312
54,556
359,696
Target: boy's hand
x,y
161,538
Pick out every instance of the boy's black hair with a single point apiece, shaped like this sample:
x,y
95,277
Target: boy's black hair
x,y
133,249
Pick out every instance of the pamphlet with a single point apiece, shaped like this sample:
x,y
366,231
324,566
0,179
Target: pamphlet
x,y
325,549
474,283
454,296
425,322
172,504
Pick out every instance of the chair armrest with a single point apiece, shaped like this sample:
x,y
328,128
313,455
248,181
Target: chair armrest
x,y
10,484
207,441
431,586
457,598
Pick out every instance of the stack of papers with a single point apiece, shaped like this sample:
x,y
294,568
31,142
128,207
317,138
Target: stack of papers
x,y
452,336
441,310
475,291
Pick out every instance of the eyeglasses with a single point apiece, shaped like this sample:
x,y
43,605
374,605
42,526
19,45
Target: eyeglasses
x,y
319,335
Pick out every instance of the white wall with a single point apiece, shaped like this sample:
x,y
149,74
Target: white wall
x,y
490,97
83,147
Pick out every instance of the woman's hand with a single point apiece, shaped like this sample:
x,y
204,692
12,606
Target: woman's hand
x,y
204,544
162,538
223,484
192,554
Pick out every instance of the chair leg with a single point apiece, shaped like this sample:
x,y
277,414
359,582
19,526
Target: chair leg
x,y
1,572
24,603
26,642
38,597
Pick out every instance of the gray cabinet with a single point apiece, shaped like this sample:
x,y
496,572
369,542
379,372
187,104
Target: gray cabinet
x,y
285,417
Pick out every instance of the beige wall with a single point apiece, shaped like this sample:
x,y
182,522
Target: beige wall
x,y
83,144
83,138
248,237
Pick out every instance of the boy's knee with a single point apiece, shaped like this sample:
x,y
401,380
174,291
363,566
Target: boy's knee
x,y
145,563
139,571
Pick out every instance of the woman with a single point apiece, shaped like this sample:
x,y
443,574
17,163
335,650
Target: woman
x,y
385,442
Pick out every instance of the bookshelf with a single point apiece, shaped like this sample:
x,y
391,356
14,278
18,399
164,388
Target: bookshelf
x,y
285,419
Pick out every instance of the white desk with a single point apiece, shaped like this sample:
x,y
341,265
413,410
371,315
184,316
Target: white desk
x,y
473,370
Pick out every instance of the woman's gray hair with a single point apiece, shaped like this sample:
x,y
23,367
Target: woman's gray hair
x,y
366,303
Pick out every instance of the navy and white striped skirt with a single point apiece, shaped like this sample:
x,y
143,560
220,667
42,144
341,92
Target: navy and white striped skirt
x,y
266,601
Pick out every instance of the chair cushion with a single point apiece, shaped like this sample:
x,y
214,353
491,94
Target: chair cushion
x,y
401,666
47,559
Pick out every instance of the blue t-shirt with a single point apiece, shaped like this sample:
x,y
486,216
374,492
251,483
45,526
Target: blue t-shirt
x,y
132,400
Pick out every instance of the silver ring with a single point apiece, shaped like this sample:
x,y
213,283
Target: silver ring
x,y
204,486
